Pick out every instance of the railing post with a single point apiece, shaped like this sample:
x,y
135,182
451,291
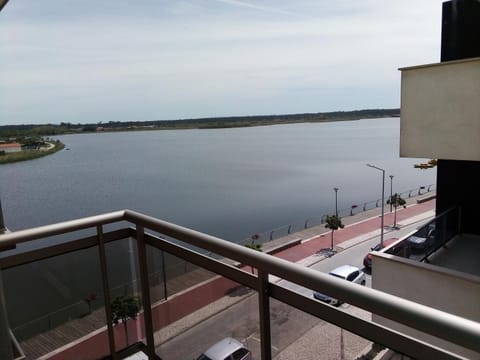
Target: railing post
x,y
6,351
444,230
2,223
264,316
147,306
459,224
106,291
164,275
5,343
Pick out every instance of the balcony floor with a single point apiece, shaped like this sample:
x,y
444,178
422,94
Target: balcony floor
x,y
461,254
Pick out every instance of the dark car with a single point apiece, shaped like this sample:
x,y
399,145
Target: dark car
x,y
346,272
367,260
421,242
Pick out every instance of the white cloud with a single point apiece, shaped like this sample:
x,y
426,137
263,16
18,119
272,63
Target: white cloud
x,y
210,58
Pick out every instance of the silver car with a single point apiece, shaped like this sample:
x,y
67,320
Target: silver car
x,y
346,272
227,349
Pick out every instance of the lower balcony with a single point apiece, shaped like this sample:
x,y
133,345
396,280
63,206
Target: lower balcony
x,y
123,284
450,281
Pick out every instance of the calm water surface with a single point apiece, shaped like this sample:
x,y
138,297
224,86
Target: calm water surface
x,y
231,183
226,182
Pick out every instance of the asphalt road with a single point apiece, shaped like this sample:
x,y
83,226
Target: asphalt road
x,y
287,324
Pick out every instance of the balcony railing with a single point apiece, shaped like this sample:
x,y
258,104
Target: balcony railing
x,y
138,241
421,243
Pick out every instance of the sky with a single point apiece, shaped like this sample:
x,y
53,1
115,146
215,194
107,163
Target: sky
x,y
94,61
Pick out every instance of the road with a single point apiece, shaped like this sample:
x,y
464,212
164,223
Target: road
x,y
288,324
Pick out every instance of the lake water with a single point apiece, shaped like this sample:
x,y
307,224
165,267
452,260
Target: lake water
x,y
230,183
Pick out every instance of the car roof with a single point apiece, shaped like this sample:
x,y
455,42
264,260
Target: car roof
x,y
344,270
223,348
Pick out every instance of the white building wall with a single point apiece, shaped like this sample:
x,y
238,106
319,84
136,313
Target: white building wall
x,y
440,288
440,111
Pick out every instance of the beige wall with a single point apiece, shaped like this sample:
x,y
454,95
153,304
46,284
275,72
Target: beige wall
x,y
440,111
440,288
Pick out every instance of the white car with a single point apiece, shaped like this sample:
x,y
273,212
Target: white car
x,y
227,349
346,272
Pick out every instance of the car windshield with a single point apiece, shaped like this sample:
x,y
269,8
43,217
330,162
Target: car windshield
x,y
336,275
377,247
203,357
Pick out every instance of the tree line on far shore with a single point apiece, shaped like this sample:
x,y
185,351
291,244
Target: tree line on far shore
x,y
14,131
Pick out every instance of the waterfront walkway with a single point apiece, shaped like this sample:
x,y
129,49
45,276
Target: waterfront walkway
x,y
296,247
358,228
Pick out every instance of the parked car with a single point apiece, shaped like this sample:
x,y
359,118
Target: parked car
x,y
421,242
346,272
227,349
400,250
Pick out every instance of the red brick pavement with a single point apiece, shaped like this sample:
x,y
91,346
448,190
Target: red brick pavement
x,y
309,248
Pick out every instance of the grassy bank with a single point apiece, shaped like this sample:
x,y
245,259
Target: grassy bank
x,y
30,154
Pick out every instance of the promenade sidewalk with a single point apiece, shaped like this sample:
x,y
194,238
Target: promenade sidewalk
x,y
358,228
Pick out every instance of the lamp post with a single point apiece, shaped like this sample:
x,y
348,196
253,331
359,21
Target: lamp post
x,y
336,200
391,192
383,199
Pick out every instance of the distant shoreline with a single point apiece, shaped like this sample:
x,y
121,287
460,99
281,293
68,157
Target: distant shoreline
x,y
9,132
12,131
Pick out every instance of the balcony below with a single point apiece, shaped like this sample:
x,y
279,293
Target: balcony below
x,y
448,279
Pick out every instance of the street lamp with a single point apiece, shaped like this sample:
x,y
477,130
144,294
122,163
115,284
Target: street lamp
x,y
391,192
383,199
336,200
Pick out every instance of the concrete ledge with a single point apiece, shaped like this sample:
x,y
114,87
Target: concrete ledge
x,y
286,245
425,198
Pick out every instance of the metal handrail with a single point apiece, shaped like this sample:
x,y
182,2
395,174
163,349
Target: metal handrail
x,y
10,240
455,210
421,317
461,331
